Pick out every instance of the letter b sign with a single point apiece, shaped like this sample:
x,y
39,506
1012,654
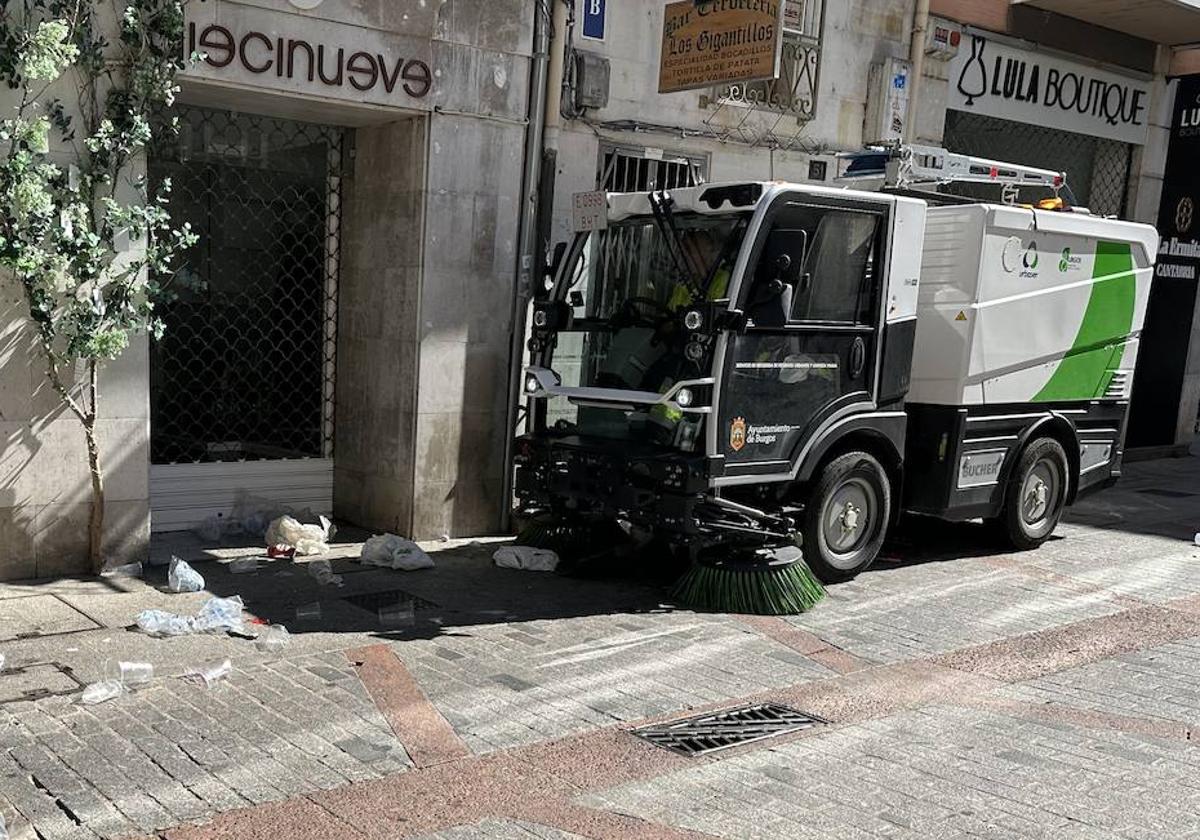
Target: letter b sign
x,y
593,19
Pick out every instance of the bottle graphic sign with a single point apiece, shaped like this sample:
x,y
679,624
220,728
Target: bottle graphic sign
x,y
972,81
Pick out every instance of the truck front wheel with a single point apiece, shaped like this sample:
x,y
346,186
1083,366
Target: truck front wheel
x,y
846,517
1036,494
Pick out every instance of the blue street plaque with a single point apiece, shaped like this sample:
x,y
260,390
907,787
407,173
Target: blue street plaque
x,y
593,19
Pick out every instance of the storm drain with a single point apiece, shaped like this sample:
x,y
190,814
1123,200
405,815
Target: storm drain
x,y
709,733
373,601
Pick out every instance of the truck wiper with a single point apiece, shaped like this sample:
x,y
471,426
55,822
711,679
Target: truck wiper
x,y
664,217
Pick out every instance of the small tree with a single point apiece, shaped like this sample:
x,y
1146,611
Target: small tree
x,y
80,228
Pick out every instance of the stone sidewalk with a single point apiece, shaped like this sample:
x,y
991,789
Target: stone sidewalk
x,y
968,692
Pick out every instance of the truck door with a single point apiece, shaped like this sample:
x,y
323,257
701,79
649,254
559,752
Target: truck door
x,y
811,294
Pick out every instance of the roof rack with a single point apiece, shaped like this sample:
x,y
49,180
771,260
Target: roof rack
x,y
906,166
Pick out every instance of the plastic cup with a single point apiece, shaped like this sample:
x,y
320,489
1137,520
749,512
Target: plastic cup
x,y
135,673
244,566
309,612
402,614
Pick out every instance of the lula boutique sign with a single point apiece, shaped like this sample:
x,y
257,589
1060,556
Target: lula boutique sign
x,y
999,80
259,45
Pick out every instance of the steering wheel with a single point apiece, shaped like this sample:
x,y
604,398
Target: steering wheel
x,y
632,312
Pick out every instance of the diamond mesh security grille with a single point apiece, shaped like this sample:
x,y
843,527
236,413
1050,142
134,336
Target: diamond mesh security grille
x,y
709,733
245,370
1097,169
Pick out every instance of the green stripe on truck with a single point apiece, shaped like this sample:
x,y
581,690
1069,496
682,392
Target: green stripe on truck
x,y
1087,369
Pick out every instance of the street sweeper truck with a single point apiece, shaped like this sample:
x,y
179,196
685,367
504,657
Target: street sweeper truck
x,y
747,366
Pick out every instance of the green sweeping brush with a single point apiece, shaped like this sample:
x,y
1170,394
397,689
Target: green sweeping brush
x,y
764,582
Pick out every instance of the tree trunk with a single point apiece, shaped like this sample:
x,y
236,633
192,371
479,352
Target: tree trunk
x,y
96,523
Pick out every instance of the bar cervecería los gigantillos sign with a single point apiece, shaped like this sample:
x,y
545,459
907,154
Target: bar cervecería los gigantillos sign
x,y
289,53
714,42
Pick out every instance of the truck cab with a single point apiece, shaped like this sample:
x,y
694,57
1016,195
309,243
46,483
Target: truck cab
x,y
728,366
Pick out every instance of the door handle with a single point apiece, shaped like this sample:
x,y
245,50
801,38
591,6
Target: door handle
x,y
858,358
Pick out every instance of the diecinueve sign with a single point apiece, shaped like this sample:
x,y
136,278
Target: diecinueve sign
x,y
264,48
992,78
714,42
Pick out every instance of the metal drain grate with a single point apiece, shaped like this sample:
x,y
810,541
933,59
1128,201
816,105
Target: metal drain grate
x,y
734,727
1170,494
372,601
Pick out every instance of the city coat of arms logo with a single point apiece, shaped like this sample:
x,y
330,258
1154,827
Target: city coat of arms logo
x,y
737,434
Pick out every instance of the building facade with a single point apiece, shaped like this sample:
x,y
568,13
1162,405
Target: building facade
x,y
354,171
357,174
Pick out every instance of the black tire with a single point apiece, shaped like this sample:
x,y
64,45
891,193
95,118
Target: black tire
x,y
855,485
1035,495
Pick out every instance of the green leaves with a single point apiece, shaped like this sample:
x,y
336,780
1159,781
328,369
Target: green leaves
x,y
93,249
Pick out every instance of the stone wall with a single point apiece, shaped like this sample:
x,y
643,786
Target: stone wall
x,y
378,342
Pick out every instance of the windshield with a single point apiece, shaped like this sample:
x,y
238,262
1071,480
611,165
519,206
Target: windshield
x,y
629,288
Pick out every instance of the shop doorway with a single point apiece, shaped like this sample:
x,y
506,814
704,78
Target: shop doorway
x,y
242,383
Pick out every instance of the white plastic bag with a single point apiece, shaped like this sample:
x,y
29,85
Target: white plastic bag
x,y
526,559
392,552
183,578
217,614
306,539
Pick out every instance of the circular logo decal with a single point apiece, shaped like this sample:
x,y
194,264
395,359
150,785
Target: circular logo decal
x,y
305,4
1185,214
1010,257
1030,259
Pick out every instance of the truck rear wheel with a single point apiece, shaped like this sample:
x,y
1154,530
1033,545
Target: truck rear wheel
x,y
846,517
1036,494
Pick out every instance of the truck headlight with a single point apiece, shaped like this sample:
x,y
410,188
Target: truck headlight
x,y
693,320
532,386
541,319
684,397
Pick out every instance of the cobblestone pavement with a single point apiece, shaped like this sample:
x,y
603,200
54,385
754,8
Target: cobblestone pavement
x,y
967,692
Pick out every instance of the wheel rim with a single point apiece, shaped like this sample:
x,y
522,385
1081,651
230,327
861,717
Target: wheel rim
x,y
1040,492
848,521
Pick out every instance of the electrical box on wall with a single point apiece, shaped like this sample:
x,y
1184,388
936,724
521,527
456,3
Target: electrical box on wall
x,y
942,39
592,74
887,101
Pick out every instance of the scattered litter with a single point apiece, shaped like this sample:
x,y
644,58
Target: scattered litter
x,y
183,578
322,572
135,673
402,614
444,538
210,673
133,570
254,514
102,692
273,639
392,552
1198,539
214,529
243,566
526,558
309,612
216,615
285,552
306,539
